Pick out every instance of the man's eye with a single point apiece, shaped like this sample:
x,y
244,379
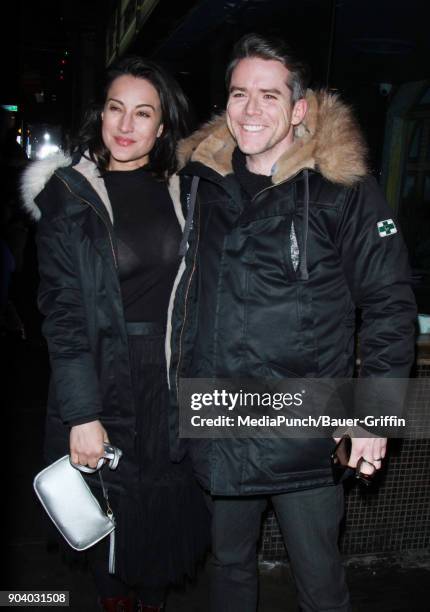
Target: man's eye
x,y
237,94
269,97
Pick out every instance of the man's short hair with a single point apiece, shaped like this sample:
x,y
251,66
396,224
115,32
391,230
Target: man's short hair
x,y
254,45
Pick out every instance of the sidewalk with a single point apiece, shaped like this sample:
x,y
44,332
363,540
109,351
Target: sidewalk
x,y
379,587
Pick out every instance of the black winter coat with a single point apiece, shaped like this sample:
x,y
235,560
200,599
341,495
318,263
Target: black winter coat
x,y
80,297
248,305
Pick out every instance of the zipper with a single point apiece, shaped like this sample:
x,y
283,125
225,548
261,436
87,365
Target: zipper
x,y
98,214
185,304
277,184
108,226
192,274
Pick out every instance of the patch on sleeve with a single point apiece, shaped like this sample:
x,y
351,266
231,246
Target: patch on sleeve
x,y
386,228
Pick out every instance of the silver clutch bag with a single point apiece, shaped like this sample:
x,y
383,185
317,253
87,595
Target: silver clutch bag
x,y
70,504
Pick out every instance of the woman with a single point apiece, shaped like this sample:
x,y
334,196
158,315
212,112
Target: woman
x,y
108,241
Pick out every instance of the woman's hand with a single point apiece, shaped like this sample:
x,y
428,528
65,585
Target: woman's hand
x,y
86,443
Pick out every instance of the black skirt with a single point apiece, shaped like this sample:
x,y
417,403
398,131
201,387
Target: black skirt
x,y
162,523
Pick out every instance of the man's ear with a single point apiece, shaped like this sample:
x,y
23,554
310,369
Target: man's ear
x,y
299,111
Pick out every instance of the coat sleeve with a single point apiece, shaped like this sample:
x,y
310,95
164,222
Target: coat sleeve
x,y
376,269
60,300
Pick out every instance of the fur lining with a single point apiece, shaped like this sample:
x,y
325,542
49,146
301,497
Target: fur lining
x,y
341,151
328,140
212,145
89,170
174,191
36,176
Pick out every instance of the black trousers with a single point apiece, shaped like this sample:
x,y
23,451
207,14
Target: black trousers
x,y
309,521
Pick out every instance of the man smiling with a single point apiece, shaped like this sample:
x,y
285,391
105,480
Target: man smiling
x,y
260,113
284,245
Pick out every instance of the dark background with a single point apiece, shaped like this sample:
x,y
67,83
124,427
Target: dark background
x,y
355,46
53,54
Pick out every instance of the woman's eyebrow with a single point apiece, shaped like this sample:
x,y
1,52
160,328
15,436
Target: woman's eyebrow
x,y
137,106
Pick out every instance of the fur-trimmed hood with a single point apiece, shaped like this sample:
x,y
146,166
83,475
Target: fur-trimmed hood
x,y
38,174
328,140
35,177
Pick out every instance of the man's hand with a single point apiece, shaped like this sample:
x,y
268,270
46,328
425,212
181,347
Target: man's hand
x,y
86,443
372,450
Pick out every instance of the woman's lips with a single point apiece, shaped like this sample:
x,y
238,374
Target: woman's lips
x,y
123,142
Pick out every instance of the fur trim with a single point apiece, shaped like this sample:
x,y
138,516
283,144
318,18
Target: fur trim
x,y
212,145
174,191
328,140
89,170
341,151
36,176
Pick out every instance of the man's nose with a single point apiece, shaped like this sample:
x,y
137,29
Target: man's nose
x,y
252,106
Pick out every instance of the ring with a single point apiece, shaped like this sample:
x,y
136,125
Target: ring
x,y
362,476
361,461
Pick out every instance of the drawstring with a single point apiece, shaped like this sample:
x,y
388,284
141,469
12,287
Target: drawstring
x,y
190,215
303,266
111,565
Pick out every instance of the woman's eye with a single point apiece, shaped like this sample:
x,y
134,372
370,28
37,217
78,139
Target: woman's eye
x,y
143,114
114,108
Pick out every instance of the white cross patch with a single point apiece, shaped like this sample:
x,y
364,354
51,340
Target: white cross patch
x,y
386,228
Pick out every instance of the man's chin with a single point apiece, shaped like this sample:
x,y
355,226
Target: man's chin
x,y
250,149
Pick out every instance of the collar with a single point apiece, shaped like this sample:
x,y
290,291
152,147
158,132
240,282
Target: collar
x,y
328,140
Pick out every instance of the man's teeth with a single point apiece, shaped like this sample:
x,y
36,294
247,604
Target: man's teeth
x,y
253,128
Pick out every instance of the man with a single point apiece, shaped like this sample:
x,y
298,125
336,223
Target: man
x,y
285,243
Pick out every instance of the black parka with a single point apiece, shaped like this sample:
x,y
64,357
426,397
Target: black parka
x,y
271,289
80,297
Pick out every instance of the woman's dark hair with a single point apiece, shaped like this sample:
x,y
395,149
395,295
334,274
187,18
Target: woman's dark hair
x,y
271,48
174,113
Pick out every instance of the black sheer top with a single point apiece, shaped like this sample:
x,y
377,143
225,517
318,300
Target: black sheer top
x,y
148,236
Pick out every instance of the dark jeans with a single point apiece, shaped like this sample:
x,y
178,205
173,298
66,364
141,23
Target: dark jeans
x,y
309,521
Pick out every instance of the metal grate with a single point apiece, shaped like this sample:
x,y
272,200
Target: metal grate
x,y
389,518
